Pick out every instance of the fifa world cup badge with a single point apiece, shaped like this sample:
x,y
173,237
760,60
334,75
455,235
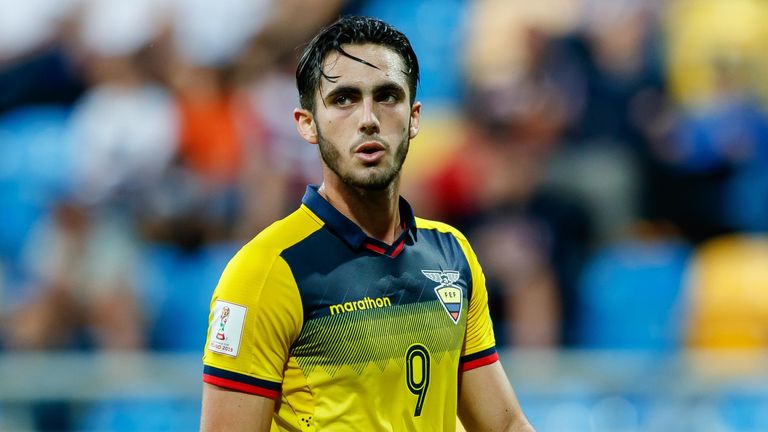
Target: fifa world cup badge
x,y
222,323
227,328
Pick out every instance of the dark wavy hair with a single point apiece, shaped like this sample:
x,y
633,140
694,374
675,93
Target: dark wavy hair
x,y
355,30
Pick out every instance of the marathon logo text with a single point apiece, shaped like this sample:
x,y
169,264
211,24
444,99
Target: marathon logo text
x,y
363,304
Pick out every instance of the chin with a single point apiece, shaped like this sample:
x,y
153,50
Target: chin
x,y
376,182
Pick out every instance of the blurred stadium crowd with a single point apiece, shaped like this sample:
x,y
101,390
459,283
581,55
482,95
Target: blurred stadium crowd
x,y
607,159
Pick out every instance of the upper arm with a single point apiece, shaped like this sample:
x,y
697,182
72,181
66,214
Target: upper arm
x,y
486,399
232,411
255,317
488,403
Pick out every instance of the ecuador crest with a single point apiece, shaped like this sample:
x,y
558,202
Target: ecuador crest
x,y
447,292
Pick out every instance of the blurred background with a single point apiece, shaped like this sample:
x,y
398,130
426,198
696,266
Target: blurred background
x,y
608,160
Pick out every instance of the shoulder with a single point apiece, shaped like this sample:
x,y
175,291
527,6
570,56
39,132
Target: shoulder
x,y
444,231
258,277
262,252
283,234
441,227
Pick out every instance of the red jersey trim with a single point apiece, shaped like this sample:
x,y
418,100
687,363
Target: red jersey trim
x,y
375,248
398,249
482,361
241,387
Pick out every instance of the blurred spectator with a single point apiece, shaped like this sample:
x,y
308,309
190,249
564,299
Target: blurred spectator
x,y
125,131
557,129
36,65
706,156
211,147
178,211
279,164
617,53
709,155
125,127
80,289
532,239
209,141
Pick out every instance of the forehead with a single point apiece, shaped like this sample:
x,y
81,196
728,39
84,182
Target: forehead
x,y
389,65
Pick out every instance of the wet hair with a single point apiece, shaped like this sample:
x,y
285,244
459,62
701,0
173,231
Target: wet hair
x,y
355,30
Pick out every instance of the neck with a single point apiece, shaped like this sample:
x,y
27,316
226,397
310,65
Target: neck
x,y
376,212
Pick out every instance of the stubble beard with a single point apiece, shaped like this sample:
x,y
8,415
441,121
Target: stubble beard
x,y
373,179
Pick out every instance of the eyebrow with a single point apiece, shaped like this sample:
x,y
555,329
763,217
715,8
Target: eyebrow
x,y
349,89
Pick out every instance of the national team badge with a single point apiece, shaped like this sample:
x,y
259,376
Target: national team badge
x,y
447,292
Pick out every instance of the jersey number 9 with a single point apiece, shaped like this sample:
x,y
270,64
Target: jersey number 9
x,y
417,374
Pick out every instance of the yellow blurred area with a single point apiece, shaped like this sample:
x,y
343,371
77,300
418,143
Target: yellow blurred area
x,y
504,54
439,136
729,303
706,36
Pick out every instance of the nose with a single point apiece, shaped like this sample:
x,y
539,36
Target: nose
x,y
369,121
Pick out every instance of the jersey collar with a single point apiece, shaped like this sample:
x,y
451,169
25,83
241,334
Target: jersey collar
x,y
352,234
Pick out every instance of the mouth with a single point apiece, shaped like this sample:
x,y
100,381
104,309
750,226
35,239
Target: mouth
x,y
370,151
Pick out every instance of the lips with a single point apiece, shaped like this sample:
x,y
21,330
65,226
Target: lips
x,y
370,151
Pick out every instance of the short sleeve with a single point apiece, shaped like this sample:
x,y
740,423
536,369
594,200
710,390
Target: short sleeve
x,y
479,343
255,317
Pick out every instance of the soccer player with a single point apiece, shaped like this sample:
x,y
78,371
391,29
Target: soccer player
x,y
351,314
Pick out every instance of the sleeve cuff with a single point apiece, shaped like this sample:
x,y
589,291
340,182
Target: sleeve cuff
x,y
476,360
242,383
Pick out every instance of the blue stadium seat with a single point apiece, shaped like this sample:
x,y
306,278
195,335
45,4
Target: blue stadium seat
x,y
35,165
739,411
177,286
150,415
629,296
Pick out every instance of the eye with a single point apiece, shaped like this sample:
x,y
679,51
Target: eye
x,y
388,97
342,100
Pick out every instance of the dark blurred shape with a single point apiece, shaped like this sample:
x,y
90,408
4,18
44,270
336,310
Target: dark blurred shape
x,y
46,77
617,54
700,164
531,239
80,284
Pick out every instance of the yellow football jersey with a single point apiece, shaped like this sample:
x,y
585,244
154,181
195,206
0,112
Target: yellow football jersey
x,y
346,332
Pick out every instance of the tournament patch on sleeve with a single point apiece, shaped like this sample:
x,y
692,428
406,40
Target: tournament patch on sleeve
x,y
226,328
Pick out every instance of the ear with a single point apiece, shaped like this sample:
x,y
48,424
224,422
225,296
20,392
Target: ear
x,y
415,117
305,124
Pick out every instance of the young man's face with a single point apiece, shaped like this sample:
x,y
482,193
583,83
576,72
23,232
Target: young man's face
x,y
363,121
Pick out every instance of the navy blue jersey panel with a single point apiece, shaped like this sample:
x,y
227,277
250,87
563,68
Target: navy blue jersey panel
x,y
329,272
